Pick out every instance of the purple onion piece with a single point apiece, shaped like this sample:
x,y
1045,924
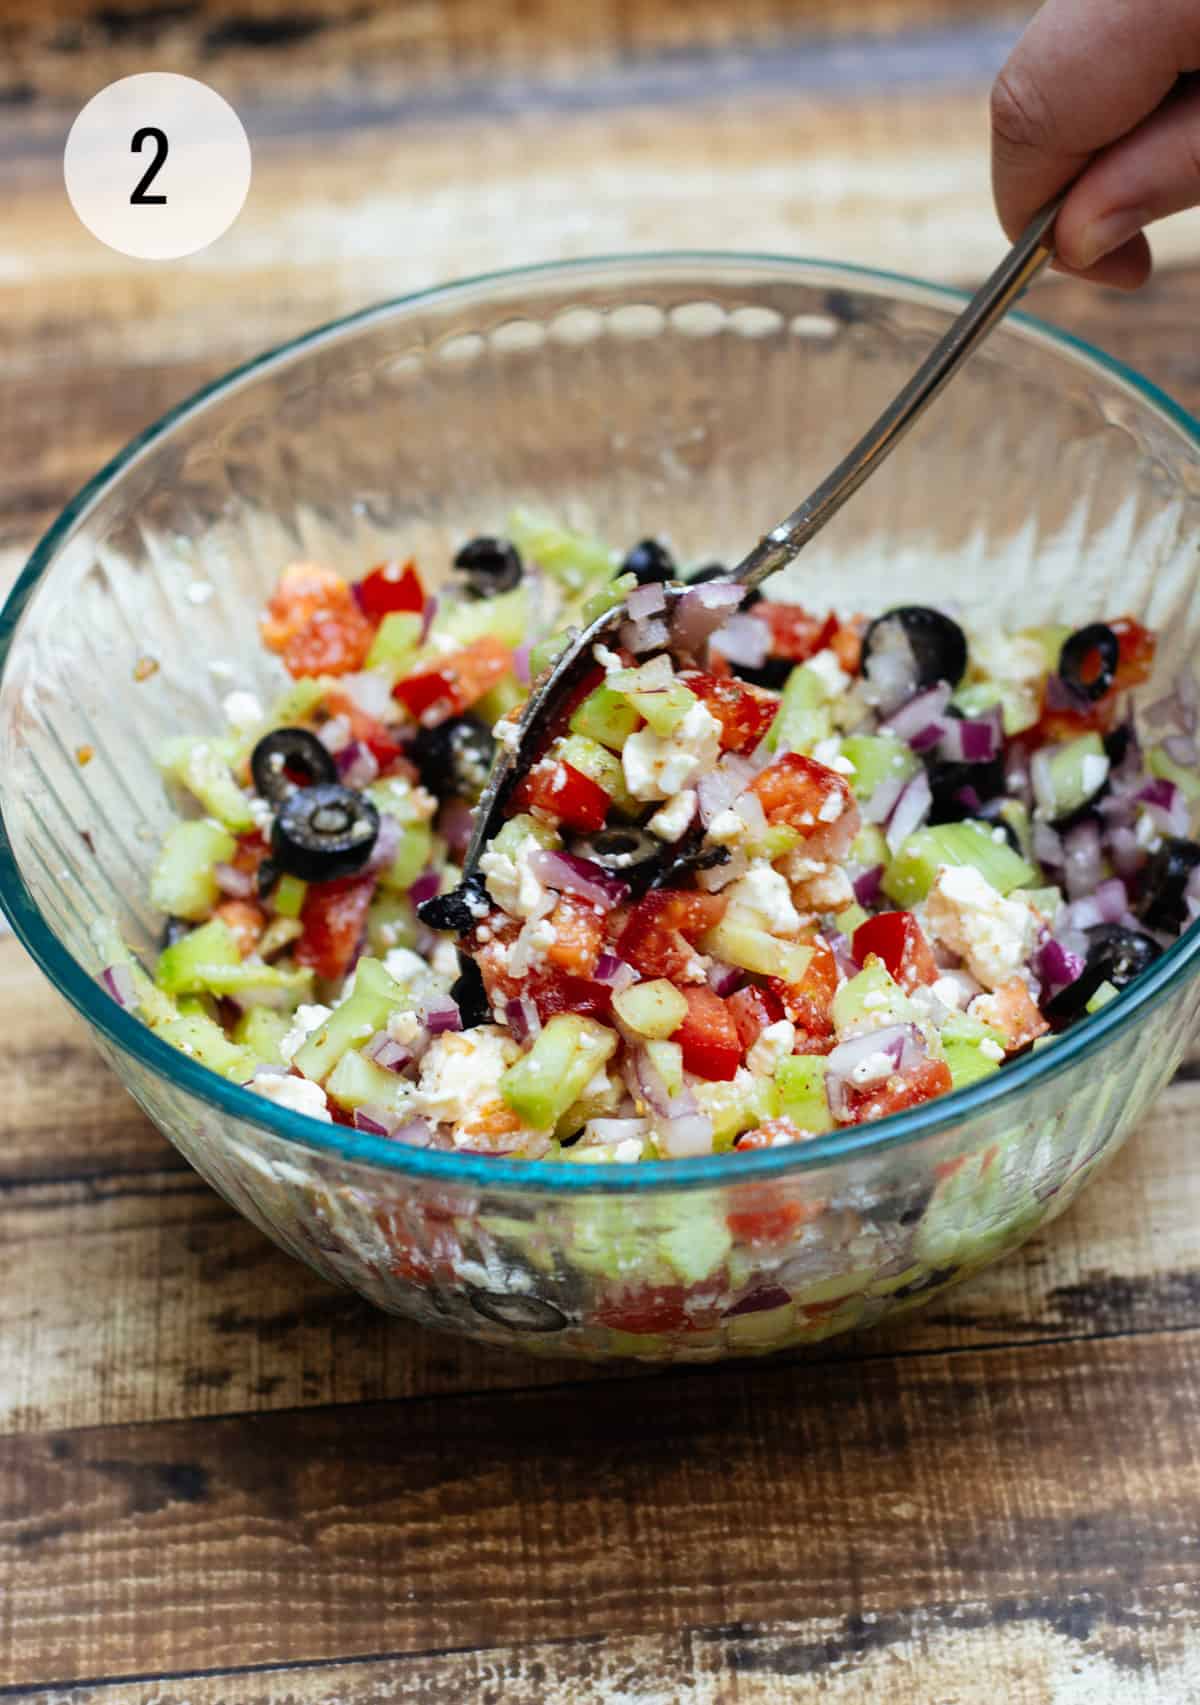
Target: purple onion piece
x,y
415,1133
758,1301
387,843
724,979
646,601
1056,966
573,875
614,973
440,1013
879,807
384,1051
918,714
1181,749
521,1016
520,662
425,887
910,811
375,1121
701,611
744,640
118,982
686,1135
427,615
867,886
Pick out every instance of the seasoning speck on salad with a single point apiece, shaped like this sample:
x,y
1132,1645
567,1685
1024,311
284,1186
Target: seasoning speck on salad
x,y
774,872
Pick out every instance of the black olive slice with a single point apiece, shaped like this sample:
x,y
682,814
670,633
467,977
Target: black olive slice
x,y
1164,884
455,758
648,562
459,910
469,992
937,643
287,753
1115,955
489,566
1088,661
324,832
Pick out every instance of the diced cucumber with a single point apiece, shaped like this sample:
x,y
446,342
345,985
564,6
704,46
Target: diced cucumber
x,y
1020,705
913,871
599,765
260,1031
153,1005
414,852
279,933
699,1244
573,559
878,758
1017,817
1105,993
546,653
804,716
297,702
359,1082
506,695
391,922
966,1062
962,1027
869,847
654,1010
179,967
287,900
736,1107
374,998
182,881
519,829
1067,776
607,598
751,949
396,642
1187,781
208,1043
851,919
202,768
505,616
871,1000
255,984
394,796
1047,901
800,1080
569,1051
1051,640
761,1328
663,703
771,843
667,1060
606,716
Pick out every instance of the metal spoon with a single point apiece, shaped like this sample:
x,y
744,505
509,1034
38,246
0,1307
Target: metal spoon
x,y
1029,254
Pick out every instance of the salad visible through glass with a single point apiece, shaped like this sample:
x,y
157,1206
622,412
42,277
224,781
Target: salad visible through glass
x,y
776,871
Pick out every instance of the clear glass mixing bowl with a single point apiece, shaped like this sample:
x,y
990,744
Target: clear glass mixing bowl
x,y
698,396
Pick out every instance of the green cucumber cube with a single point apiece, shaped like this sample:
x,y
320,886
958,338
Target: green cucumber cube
x,y
851,919
594,761
1071,771
543,1084
374,998
605,716
205,1041
414,852
1187,781
202,768
181,967
749,947
654,1010
803,718
967,1063
878,758
871,1000
913,871
182,881
573,559
396,642
506,695
607,598
1105,993
546,653
800,1080
261,1031
663,703
505,616
667,1060
519,829
359,1082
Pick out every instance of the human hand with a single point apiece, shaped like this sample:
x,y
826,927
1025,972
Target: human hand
x,y
1107,82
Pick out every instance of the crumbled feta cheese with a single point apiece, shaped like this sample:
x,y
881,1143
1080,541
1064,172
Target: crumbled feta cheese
x,y
726,829
221,669
829,753
264,817
461,1070
405,966
832,676
657,766
831,809
671,820
991,1050
765,892
243,711
511,883
627,1150
404,1027
444,961
774,1044
608,660
306,1020
507,732
818,885
295,1093
872,1069
950,992
1093,772
1146,832
966,914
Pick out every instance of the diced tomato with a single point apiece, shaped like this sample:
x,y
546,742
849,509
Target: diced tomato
x,y
773,1133
664,927
795,635
552,990
578,936
334,915
661,1308
330,643
922,1082
846,644
1013,1010
745,712
897,938
558,790
1136,646
374,735
252,849
392,587
246,920
814,800
807,1003
555,994
304,590
752,1010
764,1216
708,1036
438,691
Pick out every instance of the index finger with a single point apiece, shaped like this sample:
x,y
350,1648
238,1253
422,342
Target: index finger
x,y
1084,73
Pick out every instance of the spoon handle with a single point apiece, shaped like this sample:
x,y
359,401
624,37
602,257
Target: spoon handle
x,y
1028,255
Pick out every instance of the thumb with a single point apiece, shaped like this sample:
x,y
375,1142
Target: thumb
x,y
1149,174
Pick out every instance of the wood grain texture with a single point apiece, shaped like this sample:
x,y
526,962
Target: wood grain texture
x,y
892,1489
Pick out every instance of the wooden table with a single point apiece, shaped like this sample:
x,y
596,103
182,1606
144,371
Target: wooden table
x,y
221,1482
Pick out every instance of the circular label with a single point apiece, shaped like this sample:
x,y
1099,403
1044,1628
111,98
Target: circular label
x,y
157,166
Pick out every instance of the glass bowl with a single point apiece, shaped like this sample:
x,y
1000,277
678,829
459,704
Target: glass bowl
x,y
697,396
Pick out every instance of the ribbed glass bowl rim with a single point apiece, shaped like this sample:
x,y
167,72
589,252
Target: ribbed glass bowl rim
x,y
559,1178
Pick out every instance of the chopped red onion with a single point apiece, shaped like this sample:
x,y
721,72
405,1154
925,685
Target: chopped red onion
x,y
1126,851
974,740
375,1121
520,662
614,973
918,714
238,884
425,887
414,1133
439,1013
456,824
902,1044
701,611
724,979
929,736
867,885
749,808
649,635
427,615
335,734
910,811
1082,859
883,801
1181,749
646,601
1047,845
758,1301
572,875
356,765
521,1016
686,1134
1016,772
118,982
1112,900
839,946
1166,805
744,640
387,844
384,1051
1055,966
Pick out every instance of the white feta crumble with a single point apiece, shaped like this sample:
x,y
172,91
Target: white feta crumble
x,y
765,892
264,817
951,993
819,884
627,1151
829,753
608,660
832,676
404,1027
306,1020
221,669
461,1070
774,1044
991,1050
871,1069
511,883
1146,832
657,766
242,711
726,828
507,732
297,1094
444,961
671,820
1093,772
966,914
405,966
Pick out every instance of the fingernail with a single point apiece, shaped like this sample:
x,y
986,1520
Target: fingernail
x,y
1102,236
